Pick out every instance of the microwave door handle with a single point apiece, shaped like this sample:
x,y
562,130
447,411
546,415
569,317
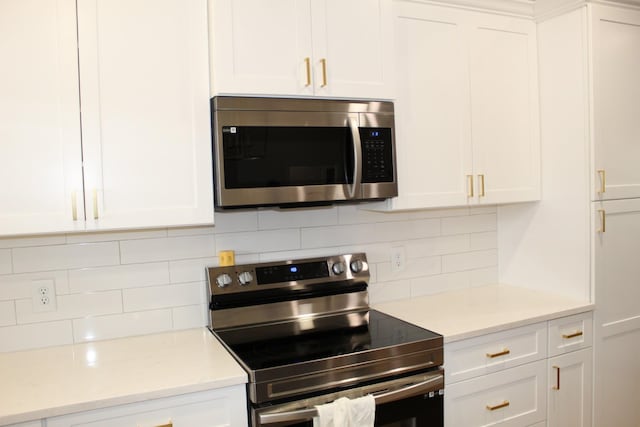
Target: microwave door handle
x,y
357,158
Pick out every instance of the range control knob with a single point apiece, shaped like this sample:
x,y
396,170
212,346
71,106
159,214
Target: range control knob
x,y
338,267
357,266
245,278
223,280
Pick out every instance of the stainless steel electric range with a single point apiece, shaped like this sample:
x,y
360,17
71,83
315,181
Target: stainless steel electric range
x,y
304,332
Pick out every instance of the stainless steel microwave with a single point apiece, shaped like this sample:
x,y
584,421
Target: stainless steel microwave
x,y
295,152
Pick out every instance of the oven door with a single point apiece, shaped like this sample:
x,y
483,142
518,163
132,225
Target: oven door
x,y
415,401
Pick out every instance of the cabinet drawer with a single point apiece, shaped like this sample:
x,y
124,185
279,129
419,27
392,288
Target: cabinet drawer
x,y
493,352
512,397
570,333
214,408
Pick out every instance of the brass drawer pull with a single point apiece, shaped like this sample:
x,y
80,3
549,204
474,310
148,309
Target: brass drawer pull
x,y
323,61
573,335
501,353
481,179
307,62
603,181
166,425
498,406
557,386
469,185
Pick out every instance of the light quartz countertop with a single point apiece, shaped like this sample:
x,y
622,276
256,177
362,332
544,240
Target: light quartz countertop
x,y
60,380
467,313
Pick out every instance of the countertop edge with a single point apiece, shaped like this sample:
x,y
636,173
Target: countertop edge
x,y
518,323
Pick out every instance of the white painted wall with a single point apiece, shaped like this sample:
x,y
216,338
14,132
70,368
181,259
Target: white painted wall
x,y
118,284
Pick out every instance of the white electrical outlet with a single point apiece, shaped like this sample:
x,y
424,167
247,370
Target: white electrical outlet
x,y
43,294
397,259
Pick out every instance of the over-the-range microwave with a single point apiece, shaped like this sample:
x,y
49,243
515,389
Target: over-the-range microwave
x,y
297,152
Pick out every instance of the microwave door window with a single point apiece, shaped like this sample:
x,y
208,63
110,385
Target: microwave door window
x,y
265,156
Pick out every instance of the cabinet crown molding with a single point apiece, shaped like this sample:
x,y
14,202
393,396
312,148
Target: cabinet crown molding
x,y
545,9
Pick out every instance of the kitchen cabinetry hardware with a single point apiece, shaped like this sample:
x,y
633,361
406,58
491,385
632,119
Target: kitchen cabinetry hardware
x,y
557,386
74,205
603,181
498,406
481,181
323,61
469,185
573,335
307,63
501,353
95,203
603,221
166,425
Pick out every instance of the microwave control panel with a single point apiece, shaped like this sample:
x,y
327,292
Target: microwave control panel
x,y
377,155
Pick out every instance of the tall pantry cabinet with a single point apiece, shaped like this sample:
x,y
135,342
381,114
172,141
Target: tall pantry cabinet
x,y
583,238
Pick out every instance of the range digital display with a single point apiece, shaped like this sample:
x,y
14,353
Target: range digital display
x,y
291,272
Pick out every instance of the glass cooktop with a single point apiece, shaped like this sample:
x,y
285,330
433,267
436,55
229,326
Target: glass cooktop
x,y
377,331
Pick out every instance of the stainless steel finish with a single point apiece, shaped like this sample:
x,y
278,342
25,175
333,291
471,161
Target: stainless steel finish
x,y
305,311
247,111
357,158
385,392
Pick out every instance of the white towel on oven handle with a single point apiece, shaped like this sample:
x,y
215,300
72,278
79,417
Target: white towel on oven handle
x,y
345,412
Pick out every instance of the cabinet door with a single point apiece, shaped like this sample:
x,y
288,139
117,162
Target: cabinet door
x,y
504,109
433,140
569,396
40,151
616,102
145,112
352,48
617,314
261,47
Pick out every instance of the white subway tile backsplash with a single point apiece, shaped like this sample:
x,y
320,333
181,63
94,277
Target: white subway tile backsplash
x,y
114,236
5,261
259,241
165,249
62,257
117,284
16,286
119,277
469,224
72,306
192,316
7,313
139,299
469,260
121,325
296,218
25,337
414,267
191,270
236,221
22,242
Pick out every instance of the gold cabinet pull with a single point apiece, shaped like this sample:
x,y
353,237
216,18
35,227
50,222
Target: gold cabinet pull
x,y
166,425
481,180
498,406
307,62
603,181
500,353
74,205
469,185
323,61
95,204
573,335
603,221
557,386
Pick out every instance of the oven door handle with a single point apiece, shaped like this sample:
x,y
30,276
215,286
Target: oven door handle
x,y
380,398
357,157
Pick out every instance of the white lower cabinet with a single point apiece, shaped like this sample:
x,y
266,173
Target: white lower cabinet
x,y
512,397
214,408
535,375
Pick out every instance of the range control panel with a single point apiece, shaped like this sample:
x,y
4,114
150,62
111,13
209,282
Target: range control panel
x,y
286,274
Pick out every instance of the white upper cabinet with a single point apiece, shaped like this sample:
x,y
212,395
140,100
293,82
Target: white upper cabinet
x,y
616,103
146,129
467,108
139,152
40,153
328,48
